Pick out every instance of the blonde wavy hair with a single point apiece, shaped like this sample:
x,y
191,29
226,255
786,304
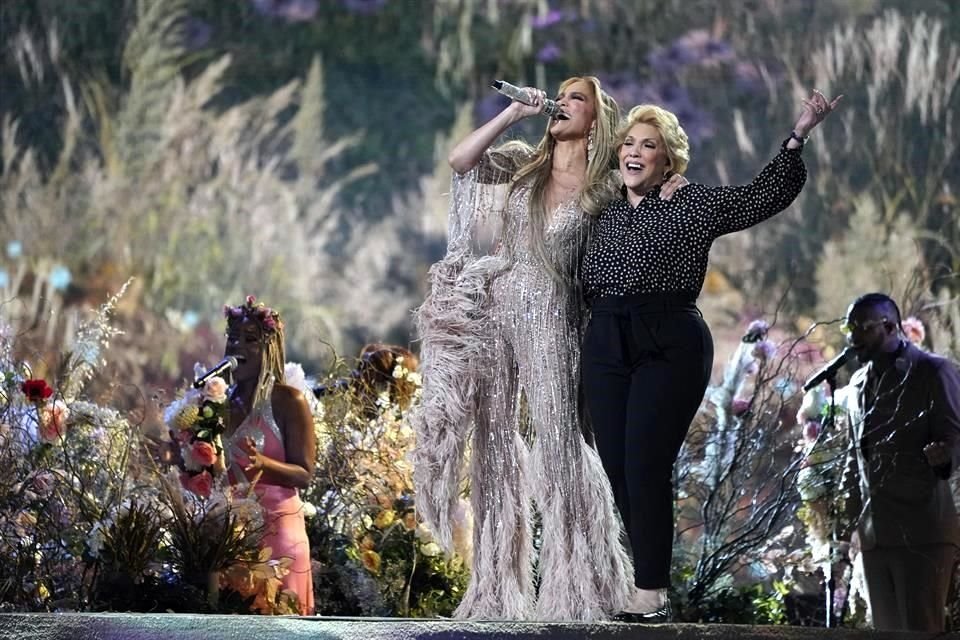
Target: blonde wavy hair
x,y
666,123
598,188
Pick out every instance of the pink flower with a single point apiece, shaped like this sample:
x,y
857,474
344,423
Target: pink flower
x,y
215,390
739,406
53,421
914,330
43,483
204,453
200,484
251,300
811,431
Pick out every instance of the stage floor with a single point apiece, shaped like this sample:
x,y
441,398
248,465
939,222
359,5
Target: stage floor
x,y
139,626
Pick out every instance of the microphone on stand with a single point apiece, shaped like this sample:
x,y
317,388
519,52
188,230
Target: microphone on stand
x,y
227,364
829,371
550,107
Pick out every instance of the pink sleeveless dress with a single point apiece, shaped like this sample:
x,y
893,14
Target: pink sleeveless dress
x,y
286,531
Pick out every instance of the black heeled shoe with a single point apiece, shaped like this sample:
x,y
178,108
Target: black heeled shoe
x,y
657,616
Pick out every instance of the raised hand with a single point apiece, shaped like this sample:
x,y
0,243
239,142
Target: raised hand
x,y
536,99
815,110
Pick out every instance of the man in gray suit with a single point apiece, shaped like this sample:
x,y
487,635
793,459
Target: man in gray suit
x,y
904,443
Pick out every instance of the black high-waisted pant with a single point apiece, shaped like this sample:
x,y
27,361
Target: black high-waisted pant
x,y
646,364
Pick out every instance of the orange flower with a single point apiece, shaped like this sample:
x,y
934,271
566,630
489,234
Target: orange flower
x,y
371,561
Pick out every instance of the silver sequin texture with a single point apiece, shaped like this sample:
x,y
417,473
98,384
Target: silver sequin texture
x,y
497,327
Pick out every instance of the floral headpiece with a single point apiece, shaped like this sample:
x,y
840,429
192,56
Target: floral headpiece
x,y
268,319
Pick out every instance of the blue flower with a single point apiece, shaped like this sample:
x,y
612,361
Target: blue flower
x,y
60,278
14,249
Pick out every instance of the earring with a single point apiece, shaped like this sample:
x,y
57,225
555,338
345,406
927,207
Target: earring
x,y
590,141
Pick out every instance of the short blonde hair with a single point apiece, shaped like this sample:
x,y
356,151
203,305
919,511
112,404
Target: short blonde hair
x,y
666,123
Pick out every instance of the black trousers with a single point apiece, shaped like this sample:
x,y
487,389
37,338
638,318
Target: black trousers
x,y
646,364
908,586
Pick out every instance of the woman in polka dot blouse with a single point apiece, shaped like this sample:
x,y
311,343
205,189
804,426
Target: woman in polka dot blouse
x,y
647,353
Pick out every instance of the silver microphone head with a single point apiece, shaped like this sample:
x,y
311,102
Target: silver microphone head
x,y
550,107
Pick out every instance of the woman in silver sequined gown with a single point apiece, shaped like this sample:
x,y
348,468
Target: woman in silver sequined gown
x,y
501,325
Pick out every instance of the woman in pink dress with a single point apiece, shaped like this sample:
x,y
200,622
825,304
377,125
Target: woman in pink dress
x,y
273,444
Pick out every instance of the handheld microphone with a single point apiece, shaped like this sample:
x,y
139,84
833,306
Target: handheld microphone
x,y
227,364
830,370
550,107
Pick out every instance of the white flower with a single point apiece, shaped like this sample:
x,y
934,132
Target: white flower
x,y
309,510
295,377
215,390
812,405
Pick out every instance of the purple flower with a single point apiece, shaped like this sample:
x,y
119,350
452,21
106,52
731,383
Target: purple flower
x,y
756,330
739,406
695,47
764,350
289,10
197,33
746,77
489,106
549,53
811,431
552,17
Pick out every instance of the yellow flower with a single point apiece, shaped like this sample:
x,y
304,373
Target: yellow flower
x,y
385,518
187,417
371,561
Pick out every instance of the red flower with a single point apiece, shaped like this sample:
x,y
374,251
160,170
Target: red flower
x,y
204,453
200,484
36,390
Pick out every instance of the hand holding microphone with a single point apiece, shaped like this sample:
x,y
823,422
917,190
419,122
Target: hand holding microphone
x,y
523,96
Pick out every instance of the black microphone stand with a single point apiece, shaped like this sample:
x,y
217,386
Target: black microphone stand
x,y
829,583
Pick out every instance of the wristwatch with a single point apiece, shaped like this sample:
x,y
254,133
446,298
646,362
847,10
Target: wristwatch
x,y
795,136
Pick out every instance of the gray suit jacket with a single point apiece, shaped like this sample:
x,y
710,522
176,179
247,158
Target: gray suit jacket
x,y
895,497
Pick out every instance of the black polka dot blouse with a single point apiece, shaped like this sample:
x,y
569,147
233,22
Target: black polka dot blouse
x,y
662,246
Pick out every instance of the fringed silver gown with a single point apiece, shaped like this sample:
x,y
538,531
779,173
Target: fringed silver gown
x,y
496,325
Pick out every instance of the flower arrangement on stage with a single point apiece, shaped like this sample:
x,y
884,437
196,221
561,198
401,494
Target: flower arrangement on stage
x,y
197,420
66,468
822,446
376,557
